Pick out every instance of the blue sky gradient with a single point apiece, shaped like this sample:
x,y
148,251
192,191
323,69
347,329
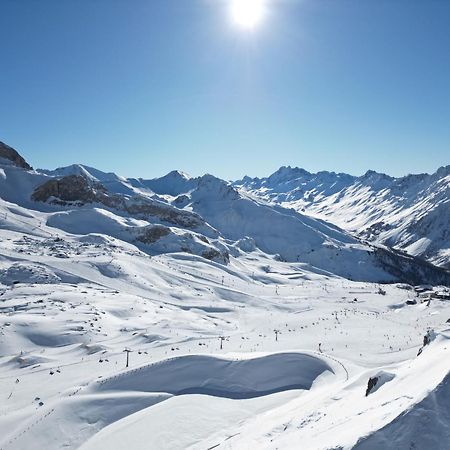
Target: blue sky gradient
x,y
146,86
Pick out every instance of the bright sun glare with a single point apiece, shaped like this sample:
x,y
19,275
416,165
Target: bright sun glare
x,y
247,13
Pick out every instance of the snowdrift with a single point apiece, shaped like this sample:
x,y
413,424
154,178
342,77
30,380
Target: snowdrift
x,y
82,413
424,426
208,375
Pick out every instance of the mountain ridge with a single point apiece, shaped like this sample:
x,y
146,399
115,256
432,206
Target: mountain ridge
x,y
208,211
399,212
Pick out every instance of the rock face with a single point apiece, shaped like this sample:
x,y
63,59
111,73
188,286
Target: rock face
x,y
9,153
150,235
410,269
164,239
77,190
211,254
70,189
143,207
371,384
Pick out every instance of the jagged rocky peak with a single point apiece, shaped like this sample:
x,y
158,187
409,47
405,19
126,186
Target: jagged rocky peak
x,y
443,171
372,176
286,173
247,179
209,184
71,188
7,152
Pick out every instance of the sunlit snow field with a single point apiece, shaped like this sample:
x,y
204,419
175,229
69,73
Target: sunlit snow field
x,y
65,323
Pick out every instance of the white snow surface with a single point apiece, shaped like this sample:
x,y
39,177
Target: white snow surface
x,y
262,349
411,213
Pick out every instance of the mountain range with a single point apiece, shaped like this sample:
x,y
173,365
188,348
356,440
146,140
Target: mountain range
x,y
410,213
371,228
298,310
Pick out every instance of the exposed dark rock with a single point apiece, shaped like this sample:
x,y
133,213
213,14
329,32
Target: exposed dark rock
x,y
166,213
371,384
213,254
427,339
210,254
73,188
374,230
12,155
150,235
410,269
76,189
181,201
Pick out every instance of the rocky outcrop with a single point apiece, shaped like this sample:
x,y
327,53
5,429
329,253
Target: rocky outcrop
x,y
143,207
150,235
78,190
371,384
211,254
163,239
409,269
12,155
181,201
70,189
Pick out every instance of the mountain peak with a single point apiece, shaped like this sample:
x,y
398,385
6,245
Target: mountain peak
x,y
208,184
288,172
174,183
178,174
373,176
443,171
7,152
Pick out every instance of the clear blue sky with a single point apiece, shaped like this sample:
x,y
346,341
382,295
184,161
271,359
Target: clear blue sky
x,y
142,87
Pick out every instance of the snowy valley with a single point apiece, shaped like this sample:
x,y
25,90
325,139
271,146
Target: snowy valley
x,y
411,213
296,311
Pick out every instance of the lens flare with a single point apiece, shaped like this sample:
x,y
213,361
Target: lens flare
x,y
247,13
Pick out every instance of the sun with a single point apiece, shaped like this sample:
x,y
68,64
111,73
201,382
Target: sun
x,y
247,13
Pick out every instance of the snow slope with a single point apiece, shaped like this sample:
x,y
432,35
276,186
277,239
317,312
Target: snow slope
x,y
210,219
248,348
411,213
64,343
424,425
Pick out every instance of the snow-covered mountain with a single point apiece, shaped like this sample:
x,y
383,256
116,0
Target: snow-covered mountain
x,y
410,213
205,216
247,324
